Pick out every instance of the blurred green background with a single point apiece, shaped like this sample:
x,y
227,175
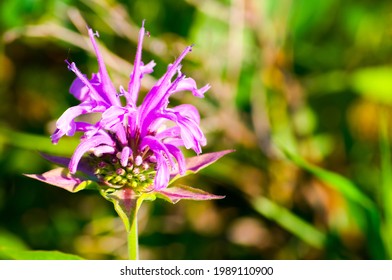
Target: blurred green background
x,y
301,89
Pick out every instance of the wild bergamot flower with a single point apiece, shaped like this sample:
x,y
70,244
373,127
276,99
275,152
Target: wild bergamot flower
x,y
132,153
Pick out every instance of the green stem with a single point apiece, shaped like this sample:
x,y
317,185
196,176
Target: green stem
x,y
133,243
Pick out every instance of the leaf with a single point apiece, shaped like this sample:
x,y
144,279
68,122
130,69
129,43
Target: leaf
x,y
60,177
14,254
175,194
196,163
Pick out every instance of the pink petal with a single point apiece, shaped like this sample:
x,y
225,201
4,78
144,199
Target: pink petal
x,y
107,89
171,132
189,84
79,90
103,149
160,93
178,156
85,146
157,147
66,124
125,153
189,111
137,73
162,177
191,133
148,68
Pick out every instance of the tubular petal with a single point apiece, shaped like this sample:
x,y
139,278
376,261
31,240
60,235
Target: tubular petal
x,y
134,83
189,84
125,153
85,146
66,124
108,90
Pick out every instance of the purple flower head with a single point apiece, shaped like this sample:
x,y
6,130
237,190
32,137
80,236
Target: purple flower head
x,y
132,146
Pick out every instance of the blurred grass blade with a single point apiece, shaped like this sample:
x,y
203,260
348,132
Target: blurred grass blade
x,y
10,240
372,228
334,180
13,254
36,142
290,222
386,183
13,248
